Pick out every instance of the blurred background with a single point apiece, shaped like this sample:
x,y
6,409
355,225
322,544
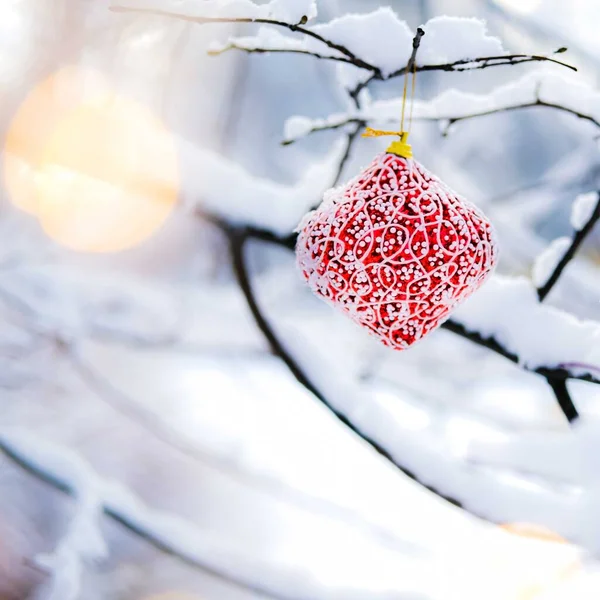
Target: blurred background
x,y
134,380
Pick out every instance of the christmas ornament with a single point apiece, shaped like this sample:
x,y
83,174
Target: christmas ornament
x,y
395,249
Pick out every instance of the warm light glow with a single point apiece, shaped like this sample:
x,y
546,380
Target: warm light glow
x,y
568,569
521,6
537,532
97,169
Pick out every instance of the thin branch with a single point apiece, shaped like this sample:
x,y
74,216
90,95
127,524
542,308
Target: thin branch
x,y
543,103
351,139
578,239
559,387
410,65
229,47
238,240
363,122
490,343
355,60
484,62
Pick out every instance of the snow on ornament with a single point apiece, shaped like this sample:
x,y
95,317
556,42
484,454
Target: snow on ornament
x,y
396,249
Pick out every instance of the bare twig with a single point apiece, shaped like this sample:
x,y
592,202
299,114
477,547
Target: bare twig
x,y
351,138
536,103
229,47
484,62
578,239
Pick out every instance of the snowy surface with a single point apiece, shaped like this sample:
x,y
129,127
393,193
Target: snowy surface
x,y
190,430
291,11
582,209
547,261
252,200
448,39
454,103
508,309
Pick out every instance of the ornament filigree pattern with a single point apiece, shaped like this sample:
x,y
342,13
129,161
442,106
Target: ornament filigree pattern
x,y
396,249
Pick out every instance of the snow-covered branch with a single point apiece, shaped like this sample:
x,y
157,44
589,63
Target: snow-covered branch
x,y
552,262
378,42
541,89
64,470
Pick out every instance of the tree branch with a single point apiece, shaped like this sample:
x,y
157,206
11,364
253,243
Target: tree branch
x,y
578,239
484,62
355,60
559,387
363,122
470,64
351,138
491,343
543,103
229,47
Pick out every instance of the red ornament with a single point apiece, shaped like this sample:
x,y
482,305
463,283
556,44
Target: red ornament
x,y
396,250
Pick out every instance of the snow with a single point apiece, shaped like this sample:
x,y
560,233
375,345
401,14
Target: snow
x,y
436,446
453,103
383,40
569,457
223,188
290,11
280,577
582,209
83,540
547,261
448,39
353,31
507,308
379,37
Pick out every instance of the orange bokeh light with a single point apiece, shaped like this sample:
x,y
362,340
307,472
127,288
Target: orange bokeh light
x,y
98,170
533,531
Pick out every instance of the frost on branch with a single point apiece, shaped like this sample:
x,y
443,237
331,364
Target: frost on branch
x,y
548,260
582,209
508,309
290,11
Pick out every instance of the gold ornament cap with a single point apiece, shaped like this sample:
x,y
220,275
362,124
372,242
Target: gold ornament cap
x,y
400,147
